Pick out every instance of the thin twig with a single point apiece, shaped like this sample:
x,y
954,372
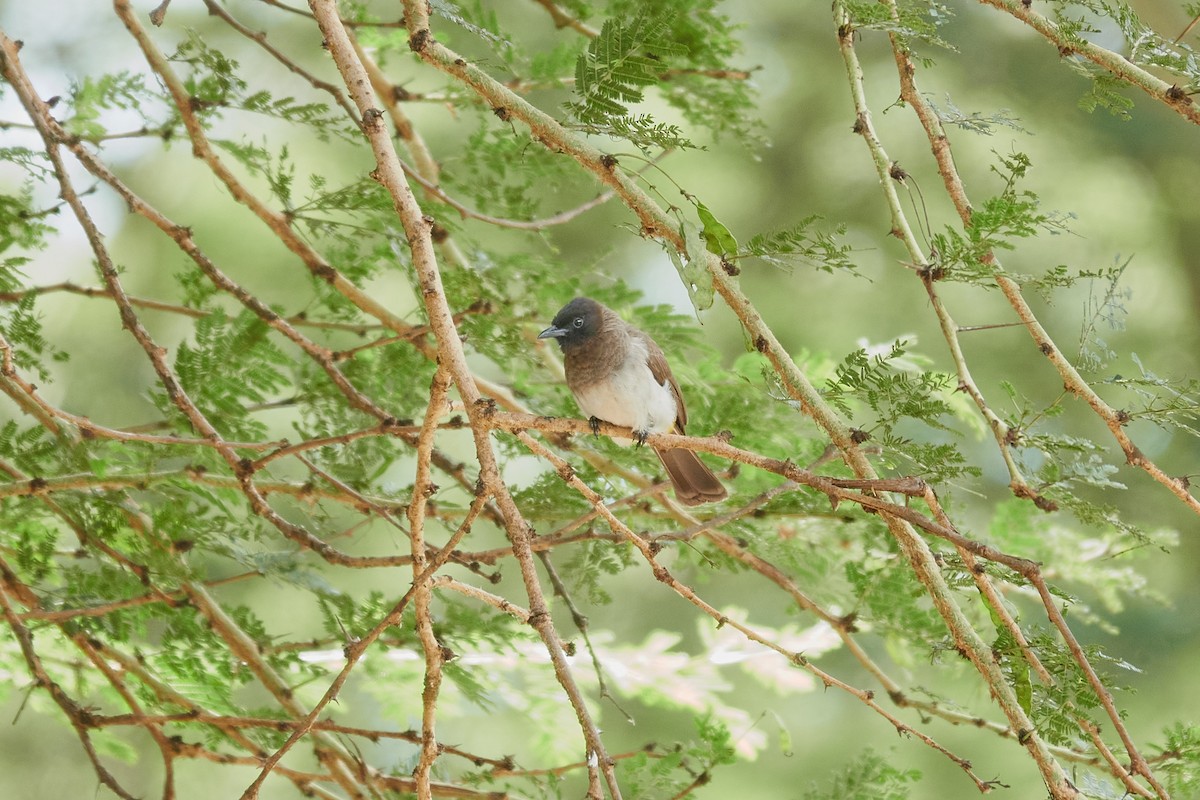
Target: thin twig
x,y
581,624
564,20
423,487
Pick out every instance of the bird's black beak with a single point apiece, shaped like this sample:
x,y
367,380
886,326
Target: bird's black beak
x,y
553,333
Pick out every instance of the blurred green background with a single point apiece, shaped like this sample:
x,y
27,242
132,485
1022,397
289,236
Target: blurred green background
x,y
1131,186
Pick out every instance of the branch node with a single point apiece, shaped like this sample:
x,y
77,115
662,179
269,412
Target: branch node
x,y
419,39
1178,96
372,118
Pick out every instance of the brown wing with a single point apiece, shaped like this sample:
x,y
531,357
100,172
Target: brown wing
x,y
662,372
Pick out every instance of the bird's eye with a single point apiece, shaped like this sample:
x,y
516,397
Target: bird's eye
x,y
578,323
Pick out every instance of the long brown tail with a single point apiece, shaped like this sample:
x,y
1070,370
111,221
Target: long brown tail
x,y
694,482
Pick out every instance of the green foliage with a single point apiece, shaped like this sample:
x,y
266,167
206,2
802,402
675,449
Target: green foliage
x,y
228,365
591,564
277,170
709,87
683,48
996,223
1057,708
974,121
1171,404
345,617
215,84
619,63
892,387
663,775
801,243
549,496
317,116
612,74
21,224
34,541
1145,47
1107,308
31,350
504,172
91,97
119,538
1105,92
868,777
916,22
892,602
1181,758
1012,662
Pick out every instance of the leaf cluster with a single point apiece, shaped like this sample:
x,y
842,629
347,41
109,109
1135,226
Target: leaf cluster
x,y
915,22
225,387
619,63
884,392
870,776
683,48
1181,758
803,243
1013,214
215,84
94,95
654,775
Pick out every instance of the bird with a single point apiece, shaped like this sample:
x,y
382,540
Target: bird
x,y
618,374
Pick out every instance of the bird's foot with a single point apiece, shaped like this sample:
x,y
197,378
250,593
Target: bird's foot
x,y
639,437
594,424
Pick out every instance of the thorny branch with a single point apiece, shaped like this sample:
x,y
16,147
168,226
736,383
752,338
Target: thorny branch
x,y
1072,380
941,146
1170,95
417,229
1057,783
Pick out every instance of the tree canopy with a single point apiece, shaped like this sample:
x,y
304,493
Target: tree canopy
x,y
294,501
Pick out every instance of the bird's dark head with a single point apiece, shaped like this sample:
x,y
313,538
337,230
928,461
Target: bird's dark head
x,y
578,321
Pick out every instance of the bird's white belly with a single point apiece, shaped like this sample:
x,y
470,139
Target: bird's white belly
x,y
631,397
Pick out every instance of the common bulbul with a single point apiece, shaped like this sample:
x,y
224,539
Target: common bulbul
x,y
619,375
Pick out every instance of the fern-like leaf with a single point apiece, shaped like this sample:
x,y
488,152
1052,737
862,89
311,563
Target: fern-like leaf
x,y
618,65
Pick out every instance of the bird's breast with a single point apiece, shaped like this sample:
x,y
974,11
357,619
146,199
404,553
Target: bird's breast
x,y
628,395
